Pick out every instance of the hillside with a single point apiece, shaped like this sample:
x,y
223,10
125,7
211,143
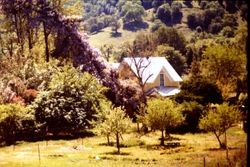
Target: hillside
x,y
104,36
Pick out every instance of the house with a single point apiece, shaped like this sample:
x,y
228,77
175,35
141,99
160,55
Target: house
x,y
156,73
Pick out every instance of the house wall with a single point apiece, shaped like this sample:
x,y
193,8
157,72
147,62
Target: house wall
x,y
167,81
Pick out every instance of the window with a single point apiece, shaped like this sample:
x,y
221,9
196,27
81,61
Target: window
x,y
161,79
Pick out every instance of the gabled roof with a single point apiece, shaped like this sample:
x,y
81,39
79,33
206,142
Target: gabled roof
x,y
151,66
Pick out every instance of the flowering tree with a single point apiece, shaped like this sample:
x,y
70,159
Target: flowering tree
x,y
69,42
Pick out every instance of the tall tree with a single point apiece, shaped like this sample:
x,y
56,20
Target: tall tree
x,y
224,65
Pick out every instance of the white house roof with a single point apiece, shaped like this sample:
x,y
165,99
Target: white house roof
x,y
115,65
151,66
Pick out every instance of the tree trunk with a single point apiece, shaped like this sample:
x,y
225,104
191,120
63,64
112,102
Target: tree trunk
x,y
138,126
162,137
218,138
117,142
46,41
226,144
108,140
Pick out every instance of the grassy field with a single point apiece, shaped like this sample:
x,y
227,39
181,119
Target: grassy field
x,y
93,152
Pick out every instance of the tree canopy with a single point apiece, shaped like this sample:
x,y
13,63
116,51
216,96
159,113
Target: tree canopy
x,y
163,115
219,119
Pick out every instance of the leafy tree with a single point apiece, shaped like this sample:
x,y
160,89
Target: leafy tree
x,y
112,121
192,21
132,13
115,25
176,12
199,89
163,115
227,32
175,58
72,100
107,50
192,112
144,44
218,120
147,4
11,117
172,37
224,65
164,14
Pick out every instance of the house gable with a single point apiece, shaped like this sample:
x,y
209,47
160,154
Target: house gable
x,y
157,72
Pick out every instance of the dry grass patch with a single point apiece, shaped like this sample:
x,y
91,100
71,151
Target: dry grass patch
x,y
91,153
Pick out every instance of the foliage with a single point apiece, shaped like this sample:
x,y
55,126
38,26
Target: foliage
x,y
115,25
164,14
163,115
172,37
132,12
201,90
132,142
175,58
193,21
227,32
169,14
218,120
72,100
192,112
11,121
112,121
224,65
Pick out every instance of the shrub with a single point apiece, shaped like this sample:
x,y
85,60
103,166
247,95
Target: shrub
x,y
215,28
11,121
164,14
192,21
192,112
227,32
132,142
73,99
201,90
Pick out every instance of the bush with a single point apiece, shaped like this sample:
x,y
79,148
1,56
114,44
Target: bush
x,y
215,28
73,99
191,21
192,112
176,13
201,90
164,14
12,117
227,32
132,142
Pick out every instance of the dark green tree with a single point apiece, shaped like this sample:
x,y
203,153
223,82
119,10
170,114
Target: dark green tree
x,y
172,37
201,90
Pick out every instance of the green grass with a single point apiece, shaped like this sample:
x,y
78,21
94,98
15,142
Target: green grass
x,y
93,153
